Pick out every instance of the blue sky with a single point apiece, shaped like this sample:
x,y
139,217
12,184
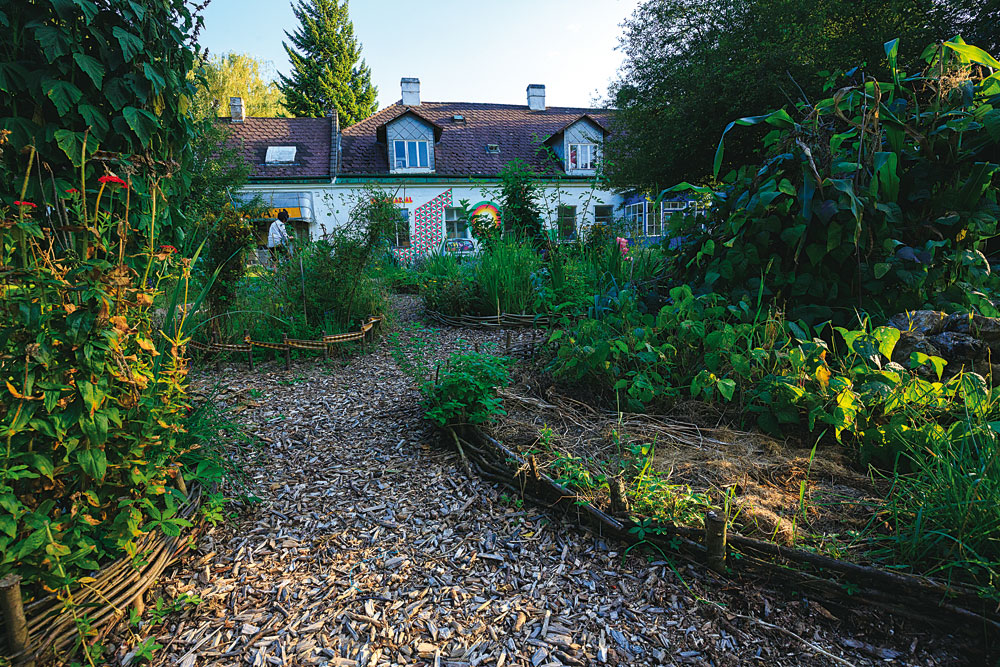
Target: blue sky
x,y
470,51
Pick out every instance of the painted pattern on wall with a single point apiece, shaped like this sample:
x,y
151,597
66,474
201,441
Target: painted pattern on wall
x,y
428,227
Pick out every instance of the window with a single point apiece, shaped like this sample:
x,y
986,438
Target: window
x,y
410,155
635,218
583,156
603,214
403,229
280,155
455,225
567,222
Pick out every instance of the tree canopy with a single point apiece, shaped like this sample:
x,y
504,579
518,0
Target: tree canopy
x,y
692,66
327,69
237,75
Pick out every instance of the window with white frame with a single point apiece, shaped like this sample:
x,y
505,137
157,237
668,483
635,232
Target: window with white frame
x,y
603,214
455,224
567,222
411,155
635,218
583,156
402,231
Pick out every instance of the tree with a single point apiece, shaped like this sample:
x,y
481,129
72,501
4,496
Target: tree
x,y
518,194
236,75
327,69
692,66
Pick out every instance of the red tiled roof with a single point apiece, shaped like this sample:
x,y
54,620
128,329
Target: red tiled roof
x,y
310,136
462,149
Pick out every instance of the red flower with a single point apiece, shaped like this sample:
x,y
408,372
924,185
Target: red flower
x,y
72,191
111,179
25,203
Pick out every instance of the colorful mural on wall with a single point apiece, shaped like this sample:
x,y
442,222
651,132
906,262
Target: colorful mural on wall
x,y
428,227
489,209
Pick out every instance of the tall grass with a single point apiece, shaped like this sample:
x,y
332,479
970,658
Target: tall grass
x,y
504,277
946,509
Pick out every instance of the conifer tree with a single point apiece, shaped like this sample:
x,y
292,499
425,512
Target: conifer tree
x,y
327,69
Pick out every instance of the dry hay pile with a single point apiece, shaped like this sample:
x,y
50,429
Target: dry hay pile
x,y
776,490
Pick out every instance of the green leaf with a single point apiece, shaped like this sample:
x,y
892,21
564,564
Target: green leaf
x,y
88,8
991,121
727,388
71,144
976,394
91,67
131,44
918,359
53,42
973,54
93,462
779,118
97,121
159,83
142,123
62,93
880,269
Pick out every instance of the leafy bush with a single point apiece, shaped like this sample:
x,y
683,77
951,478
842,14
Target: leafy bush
x,y
879,198
79,77
464,391
331,284
95,421
459,391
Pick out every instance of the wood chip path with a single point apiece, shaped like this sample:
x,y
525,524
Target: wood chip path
x,y
371,547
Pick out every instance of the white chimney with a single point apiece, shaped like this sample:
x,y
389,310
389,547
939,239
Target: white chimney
x,y
236,111
536,97
411,92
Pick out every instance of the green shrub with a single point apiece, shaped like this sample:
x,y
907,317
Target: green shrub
x,y
880,198
95,419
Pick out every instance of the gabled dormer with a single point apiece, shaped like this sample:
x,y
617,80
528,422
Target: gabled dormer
x,y
409,138
579,146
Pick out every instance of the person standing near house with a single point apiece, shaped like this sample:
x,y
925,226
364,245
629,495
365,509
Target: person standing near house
x,y
277,237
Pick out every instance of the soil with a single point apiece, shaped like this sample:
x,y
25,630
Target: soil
x,y
371,545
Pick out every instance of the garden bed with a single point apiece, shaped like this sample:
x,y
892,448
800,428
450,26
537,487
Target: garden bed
x,y
798,513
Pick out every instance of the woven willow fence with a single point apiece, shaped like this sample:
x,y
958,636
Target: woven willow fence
x,y
287,344
51,622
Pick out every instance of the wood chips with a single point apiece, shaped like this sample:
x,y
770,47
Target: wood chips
x,y
371,546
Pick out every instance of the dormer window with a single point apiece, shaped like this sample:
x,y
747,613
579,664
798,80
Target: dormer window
x,y
493,149
583,156
279,155
411,154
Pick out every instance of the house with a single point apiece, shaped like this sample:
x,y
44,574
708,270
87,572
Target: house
x,y
431,156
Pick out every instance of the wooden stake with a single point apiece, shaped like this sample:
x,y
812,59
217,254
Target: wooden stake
x,y
715,541
326,348
13,618
507,353
288,352
246,336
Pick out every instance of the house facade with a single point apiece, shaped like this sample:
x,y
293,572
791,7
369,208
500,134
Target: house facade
x,y
431,157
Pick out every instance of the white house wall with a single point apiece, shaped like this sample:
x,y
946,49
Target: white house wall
x,y
332,205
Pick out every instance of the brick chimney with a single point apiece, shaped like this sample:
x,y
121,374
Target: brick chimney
x,y
237,113
536,97
411,91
